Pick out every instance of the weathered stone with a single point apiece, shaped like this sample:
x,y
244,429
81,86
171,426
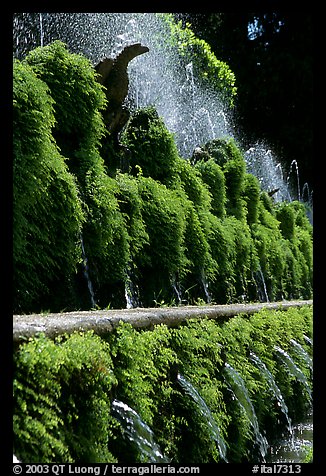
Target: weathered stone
x,y
104,322
113,74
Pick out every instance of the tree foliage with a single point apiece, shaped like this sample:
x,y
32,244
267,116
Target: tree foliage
x,y
271,55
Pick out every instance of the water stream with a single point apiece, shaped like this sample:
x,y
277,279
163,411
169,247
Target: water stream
x,y
293,369
137,432
302,354
274,389
206,413
241,393
86,274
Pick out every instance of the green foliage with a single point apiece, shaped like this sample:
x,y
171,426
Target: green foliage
x,y
106,238
63,389
251,195
144,367
47,213
285,215
213,176
162,257
130,205
229,157
213,73
78,98
167,222
151,145
61,400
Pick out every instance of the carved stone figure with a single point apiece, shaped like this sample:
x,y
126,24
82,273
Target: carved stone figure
x,y
113,74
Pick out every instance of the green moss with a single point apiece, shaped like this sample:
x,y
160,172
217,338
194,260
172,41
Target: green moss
x,y
47,211
213,176
63,389
168,220
151,145
61,399
251,195
78,98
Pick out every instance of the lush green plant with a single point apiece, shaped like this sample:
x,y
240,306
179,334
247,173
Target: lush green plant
x,y
151,145
47,213
213,73
62,400
251,195
63,389
213,176
79,100
163,257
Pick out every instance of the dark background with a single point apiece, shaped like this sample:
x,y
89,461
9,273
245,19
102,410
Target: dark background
x,y
273,64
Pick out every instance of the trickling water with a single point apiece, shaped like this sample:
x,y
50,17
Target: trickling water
x,y
274,388
204,283
302,353
86,273
240,391
207,414
138,432
261,285
41,29
131,291
293,369
176,289
307,339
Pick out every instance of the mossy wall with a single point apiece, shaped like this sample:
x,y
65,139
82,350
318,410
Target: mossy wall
x,y
143,214
63,389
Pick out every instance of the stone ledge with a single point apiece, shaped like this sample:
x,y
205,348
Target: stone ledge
x,y
104,322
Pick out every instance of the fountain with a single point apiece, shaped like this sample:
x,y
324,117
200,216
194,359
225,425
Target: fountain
x,y
302,353
295,164
237,385
161,78
136,431
86,274
274,388
293,369
206,413
261,285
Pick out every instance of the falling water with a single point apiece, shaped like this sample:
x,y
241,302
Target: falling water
x,y
307,339
131,290
86,274
138,432
274,388
293,450
41,30
176,289
161,78
206,413
240,391
295,164
293,369
261,285
302,353
204,283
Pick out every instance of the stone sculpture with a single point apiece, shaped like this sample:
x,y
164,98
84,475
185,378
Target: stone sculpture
x,y
113,74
